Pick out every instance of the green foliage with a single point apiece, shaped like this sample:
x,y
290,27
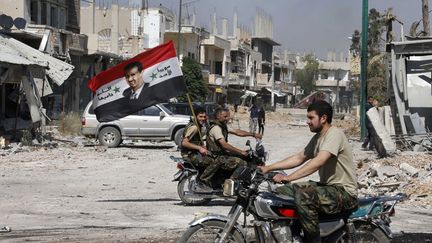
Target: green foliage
x,y
376,67
377,24
306,77
355,45
192,74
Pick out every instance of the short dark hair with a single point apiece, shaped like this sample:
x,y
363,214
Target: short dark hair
x,y
219,110
131,65
370,97
322,108
199,110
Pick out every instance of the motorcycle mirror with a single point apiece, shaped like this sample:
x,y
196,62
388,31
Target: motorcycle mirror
x,y
248,142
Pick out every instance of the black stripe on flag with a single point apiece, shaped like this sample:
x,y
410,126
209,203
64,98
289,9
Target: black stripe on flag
x,y
149,96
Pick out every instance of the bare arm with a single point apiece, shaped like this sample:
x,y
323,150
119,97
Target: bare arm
x,y
309,168
187,144
287,163
228,147
242,133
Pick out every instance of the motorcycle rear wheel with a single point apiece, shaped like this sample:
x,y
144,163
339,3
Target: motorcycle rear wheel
x,y
185,185
370,233
209,231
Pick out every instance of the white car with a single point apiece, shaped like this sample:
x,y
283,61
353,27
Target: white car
x,y
152,123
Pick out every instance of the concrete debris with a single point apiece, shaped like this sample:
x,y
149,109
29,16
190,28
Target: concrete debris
x,y
409,169
4,143
409,172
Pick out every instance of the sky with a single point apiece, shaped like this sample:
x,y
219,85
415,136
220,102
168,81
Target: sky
x,y
301,26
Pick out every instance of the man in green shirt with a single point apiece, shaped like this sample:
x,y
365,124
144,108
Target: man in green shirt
x,y
329,153
193,149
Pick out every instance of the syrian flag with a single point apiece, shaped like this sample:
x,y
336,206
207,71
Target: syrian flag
x,y
163,79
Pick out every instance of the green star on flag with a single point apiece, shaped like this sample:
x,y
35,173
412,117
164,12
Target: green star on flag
x,y
116,89
153,76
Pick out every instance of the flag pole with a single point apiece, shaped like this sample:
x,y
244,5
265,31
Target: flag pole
x,y
194,118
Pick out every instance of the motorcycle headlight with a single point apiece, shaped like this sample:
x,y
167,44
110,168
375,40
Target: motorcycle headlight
x,y
229,188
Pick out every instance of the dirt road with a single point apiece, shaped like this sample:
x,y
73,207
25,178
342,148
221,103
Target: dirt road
x,y
89,193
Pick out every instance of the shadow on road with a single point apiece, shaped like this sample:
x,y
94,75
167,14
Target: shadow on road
x,y
140,200
212,203
146,146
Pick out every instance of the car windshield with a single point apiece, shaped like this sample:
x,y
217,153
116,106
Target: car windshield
x,y
166,109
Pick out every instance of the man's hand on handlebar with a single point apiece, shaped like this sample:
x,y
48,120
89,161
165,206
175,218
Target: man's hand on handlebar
x,y
280,178
245,153
263,169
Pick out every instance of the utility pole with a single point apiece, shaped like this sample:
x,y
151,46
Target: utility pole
x,y
363,71
273,103
425,8
179,30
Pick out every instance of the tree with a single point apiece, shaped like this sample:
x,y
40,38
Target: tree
x,y
376,65
192,74
306,77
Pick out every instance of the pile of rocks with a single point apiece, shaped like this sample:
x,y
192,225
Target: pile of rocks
x,y
410,173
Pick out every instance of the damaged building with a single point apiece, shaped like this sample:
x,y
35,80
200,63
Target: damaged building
x,y
26,75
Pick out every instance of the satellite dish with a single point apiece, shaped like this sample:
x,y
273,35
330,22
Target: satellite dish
x,y
20,23
218,81
6,21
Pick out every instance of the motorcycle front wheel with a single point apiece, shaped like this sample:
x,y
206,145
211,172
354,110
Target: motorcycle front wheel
x,y
185,185
209,231
370,233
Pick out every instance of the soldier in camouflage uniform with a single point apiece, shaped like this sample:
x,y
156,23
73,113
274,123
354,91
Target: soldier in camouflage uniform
x,y
193,149
226,156
329,153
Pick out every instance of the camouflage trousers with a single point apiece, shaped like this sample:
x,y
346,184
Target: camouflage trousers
x,y
312,198
212,165
204,162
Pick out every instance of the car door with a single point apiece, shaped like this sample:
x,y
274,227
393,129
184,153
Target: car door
x,y
129,125
153,124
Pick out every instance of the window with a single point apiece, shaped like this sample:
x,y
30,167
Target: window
x,y
54,16
44,13
62,18
34,11
150,111
324,76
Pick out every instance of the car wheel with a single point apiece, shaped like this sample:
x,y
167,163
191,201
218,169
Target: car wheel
x,y
109,136
178,137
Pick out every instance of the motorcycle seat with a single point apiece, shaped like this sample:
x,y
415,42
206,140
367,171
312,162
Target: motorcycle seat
x,y
366,201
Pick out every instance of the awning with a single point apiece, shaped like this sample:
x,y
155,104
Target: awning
x,y
248,93
276,92
17,52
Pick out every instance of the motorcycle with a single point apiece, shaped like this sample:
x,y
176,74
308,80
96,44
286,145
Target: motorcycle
x,y
275,218
188,173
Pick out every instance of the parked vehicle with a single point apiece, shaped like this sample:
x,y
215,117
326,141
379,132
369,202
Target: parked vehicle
x,y
152,123
187,174
275,218
184,108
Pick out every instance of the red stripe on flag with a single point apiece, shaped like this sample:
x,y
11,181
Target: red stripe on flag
x,y
147,59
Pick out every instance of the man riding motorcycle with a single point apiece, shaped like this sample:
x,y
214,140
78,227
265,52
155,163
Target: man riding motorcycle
x,y
193,149
329,153
225,155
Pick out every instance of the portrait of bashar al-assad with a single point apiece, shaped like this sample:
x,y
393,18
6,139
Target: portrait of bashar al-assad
x,y
133,75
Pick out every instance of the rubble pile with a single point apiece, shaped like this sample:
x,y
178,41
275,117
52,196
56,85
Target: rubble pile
x,y
349,124
416,143
409,173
